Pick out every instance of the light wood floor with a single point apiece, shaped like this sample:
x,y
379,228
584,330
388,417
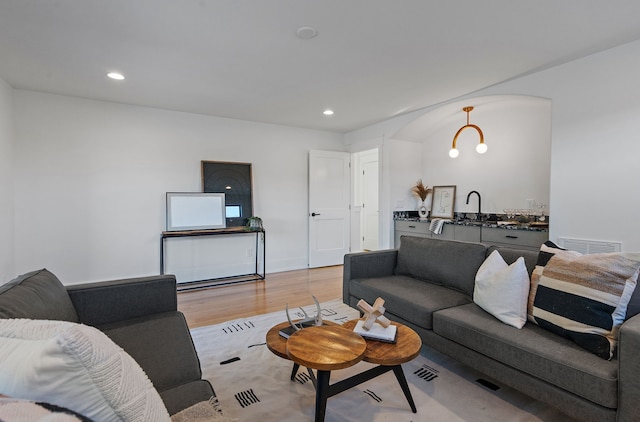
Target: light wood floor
x,y
219,304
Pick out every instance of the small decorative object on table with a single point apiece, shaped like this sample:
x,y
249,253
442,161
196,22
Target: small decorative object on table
x,y
254,223
307,321
373,313
421,191
374,325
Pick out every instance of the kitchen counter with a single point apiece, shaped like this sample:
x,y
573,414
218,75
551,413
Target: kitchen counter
x,y
489,224
497,233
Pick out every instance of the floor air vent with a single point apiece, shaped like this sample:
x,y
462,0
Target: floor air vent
x,y
589,246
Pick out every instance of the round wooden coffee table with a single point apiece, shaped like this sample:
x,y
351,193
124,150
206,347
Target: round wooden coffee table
x,y
333,347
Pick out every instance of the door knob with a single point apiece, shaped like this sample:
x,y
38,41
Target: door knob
x,y
313,214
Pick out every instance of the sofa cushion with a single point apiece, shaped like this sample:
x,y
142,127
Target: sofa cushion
x,y
410,299
168,332
502,290
36,295
448,263
532,350
77,367
585,298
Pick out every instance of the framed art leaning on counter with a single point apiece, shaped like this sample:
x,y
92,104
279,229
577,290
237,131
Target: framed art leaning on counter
x,y
443,200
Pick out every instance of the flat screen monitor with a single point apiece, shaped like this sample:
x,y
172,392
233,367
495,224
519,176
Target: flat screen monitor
x,y
234,211
195,211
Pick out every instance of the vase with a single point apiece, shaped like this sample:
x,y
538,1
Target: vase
x,y
422,211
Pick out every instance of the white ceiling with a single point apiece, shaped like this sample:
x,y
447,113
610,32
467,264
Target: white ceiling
x,y
371,60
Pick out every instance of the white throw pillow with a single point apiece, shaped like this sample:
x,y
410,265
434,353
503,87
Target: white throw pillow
x,y
503,290
77,367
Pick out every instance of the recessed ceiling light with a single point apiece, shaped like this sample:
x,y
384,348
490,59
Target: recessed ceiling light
x,y
115,75
328,112
306,32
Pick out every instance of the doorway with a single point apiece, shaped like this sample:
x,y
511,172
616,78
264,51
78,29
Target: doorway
x,y
329,200
366,203
343,205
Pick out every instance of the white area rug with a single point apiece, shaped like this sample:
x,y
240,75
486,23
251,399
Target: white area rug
x,y
253,384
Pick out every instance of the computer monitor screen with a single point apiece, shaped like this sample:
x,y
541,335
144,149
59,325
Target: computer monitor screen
x,y
233,211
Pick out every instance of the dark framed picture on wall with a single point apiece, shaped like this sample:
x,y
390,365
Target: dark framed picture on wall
x,y
444,198
234,180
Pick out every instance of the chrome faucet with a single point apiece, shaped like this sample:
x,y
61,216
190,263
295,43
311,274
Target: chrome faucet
x,y
479,203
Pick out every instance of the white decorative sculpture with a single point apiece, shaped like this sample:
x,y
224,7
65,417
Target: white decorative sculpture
x,y
373,313
307,320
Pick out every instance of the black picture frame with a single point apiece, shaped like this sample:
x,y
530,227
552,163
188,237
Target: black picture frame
x,y
235,181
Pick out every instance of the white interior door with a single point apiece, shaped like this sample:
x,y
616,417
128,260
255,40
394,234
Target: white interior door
x,y
370,221
329,187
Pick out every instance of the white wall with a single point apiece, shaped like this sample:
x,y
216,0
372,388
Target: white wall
x,y
595,144
514,169
516,166
6,183
91,179
401,168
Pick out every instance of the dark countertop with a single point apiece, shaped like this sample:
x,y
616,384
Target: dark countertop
x,y
488,224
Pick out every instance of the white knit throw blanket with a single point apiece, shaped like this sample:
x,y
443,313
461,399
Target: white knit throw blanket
x,y
205,411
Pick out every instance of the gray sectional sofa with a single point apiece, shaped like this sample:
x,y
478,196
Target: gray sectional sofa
x,y
138,314
428,285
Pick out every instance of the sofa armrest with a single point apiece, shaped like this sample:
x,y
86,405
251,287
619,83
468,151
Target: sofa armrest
x,y
367,265
629,370
119,300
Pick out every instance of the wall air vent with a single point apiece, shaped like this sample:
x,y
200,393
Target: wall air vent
x,y
589,246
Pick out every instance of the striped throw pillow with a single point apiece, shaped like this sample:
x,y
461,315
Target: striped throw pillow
x,y
547,251
584,298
